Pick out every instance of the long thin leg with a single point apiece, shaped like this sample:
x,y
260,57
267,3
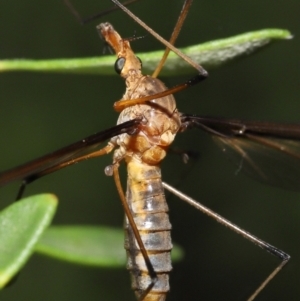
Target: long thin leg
x,y
185,9
284,257
199,68
124,103
135,230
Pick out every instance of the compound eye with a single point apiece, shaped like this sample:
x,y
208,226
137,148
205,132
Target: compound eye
x,y
119,64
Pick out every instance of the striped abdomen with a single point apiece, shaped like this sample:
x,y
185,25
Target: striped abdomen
x,y
146,199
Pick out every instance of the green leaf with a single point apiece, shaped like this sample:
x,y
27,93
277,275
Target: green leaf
x,y
209,55
21,225
88,245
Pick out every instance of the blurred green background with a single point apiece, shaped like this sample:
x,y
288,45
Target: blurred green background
x,y
40,113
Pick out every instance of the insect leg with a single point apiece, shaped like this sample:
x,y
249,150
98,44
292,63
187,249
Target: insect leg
x,y
199,68
152,273
284,257
124,103
185,9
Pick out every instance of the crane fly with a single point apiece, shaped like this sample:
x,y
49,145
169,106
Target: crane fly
x,y
253,142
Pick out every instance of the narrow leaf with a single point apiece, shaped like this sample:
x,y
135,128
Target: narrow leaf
x,y
21,225
210,54
88,245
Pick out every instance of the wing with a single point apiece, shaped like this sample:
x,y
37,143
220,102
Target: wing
x,y
66,156
268,151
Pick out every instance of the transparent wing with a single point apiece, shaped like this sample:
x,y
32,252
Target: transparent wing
x,y
274,161
270,152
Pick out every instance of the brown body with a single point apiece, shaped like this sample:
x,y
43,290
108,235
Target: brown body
x,y
143,153
145,195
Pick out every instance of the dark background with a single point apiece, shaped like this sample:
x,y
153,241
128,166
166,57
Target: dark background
x,y
43,112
